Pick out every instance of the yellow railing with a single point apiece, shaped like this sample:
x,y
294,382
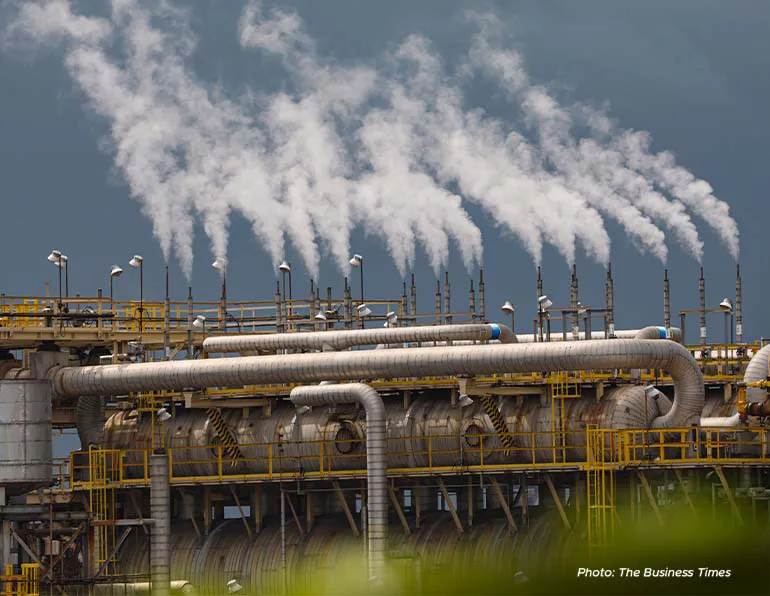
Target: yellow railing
x,y
468,453
26,583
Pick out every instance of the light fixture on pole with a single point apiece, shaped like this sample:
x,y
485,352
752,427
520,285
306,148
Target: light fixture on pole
x,y
464,401
509,309
391,319
199,322
220,264
163,415
543,304
285,269
115,271
727,307
358,261
136,263
56,258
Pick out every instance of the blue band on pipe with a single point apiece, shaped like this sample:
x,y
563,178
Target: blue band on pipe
x,y
662,332
495,330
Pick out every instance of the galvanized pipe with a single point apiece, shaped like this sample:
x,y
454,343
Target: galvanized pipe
x,y
341,340
376,459
372,364
160,538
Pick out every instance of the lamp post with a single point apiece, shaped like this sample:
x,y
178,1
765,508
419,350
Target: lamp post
x,y
200,323
285,269
509,309
220,264
727,307
358,261
543,304
56,258
115,271
136,263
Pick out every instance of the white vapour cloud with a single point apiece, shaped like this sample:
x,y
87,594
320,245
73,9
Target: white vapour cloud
x,y
601,171
392,149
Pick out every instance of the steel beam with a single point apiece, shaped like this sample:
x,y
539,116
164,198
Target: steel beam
x,y
686,492
399,511
452,509
345,508
557,501
650,496
729,494
240,511
504,504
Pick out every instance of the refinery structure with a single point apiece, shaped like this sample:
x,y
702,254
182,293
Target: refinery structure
x,y
235,447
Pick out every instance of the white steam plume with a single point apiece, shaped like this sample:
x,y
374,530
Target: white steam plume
x,y
394,150
598,171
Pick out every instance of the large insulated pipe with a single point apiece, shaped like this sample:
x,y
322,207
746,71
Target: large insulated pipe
x,y
376,460
160,537
119,379
341,340
180,586
757,370
89,420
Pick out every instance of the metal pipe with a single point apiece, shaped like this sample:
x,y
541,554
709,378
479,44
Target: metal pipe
x,y
666,301
160,537
447,301
376,463
438,302
166,321
472,302
734,420
413,299
573,302
482,298
372,364
702,293
609,316
738,306
341,340
181,586
757,370
404,307
189,323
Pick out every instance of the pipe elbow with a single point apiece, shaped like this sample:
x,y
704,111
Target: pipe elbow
x,y
651,332
503,334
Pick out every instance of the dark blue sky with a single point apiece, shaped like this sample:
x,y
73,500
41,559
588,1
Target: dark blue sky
x,y
692,73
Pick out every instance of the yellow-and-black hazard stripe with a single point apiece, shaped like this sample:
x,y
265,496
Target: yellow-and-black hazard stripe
x,y
225,435
498,422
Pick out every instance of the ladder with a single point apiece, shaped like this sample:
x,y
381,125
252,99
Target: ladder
x,y
600,485
564,385
104,468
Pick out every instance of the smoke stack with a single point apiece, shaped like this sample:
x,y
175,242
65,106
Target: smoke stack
x,y
573,302
482,300
472,302
278,308
404,307
610,303
447,302
539,284
738,306
702,292
189,323
413,292
167,321
347,297
666,304
438,301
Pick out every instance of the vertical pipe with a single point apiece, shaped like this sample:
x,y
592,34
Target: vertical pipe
x,y
482,298
167,321
472,302
438,302
702,292
318,304
348,297
328,298
413,293
311,305
574,304
610,315
283,543
447,302
404,307
160,509
189,323
99,306
278,308
539,283
682,321
738,306
666,304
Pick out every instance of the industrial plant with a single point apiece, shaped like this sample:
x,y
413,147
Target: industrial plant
x,y
249,447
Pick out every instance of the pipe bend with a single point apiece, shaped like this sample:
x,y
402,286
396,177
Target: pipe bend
x,y
757,370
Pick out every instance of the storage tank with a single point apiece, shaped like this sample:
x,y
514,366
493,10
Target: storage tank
x,y
25,435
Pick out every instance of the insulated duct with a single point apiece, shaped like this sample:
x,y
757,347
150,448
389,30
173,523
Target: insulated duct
x,y
341,340
757,370
734,420
119,379
376,462
160,535
89,419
